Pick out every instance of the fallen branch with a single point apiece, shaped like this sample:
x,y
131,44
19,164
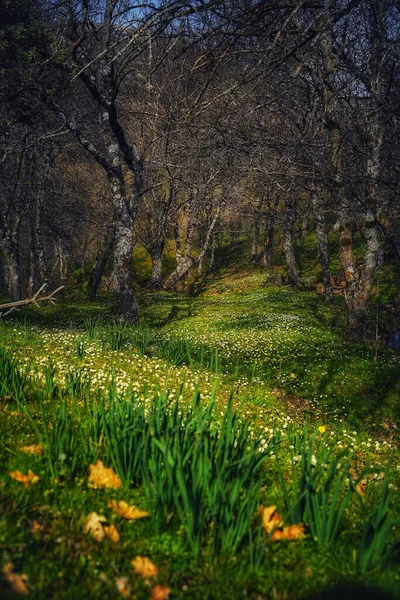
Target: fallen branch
x,y
34,300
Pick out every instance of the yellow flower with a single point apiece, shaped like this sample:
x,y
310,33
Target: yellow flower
x,y
322,428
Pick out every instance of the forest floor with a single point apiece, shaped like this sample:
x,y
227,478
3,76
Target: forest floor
x,y
215,410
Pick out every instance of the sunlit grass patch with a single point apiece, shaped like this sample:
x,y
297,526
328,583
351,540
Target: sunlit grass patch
x,y
200,412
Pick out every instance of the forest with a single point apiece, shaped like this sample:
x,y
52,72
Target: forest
x,y
200,299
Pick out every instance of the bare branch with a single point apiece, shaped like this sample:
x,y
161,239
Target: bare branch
x,y
36,298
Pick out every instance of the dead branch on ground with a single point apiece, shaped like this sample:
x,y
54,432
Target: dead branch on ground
x,y
36,298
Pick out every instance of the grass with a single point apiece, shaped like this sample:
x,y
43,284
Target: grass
x,y
241,397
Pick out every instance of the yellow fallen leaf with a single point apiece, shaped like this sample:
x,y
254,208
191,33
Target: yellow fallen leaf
x,y
270,518
34,449
93,525
25,479
127,512
293,532
160,593
122,585
17,582
112,532
144,567
101,476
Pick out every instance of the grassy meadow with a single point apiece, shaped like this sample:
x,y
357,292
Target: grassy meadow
x,y
256,452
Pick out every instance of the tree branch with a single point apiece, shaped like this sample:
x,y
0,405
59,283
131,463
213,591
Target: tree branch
x,y
34,300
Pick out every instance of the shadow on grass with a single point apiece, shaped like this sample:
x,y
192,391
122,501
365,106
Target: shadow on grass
x,y
348,590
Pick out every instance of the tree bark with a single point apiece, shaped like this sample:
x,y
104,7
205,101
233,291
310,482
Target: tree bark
x,y
322,242
269,234
128,309
293,274
9,241
257,226
156,266
188,261
100,264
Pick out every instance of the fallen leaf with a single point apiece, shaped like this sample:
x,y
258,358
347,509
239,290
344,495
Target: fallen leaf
x,y
36,527
361,487
122,585
101,476
127,512
144,567
293,532
17,582
270,518
34,449
112,532
160,593
93,525
25,479
276,536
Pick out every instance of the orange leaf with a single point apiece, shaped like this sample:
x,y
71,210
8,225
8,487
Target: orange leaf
x,y
112,532
34,449
93,525
100,476
36,527
127,512
276,536
160,593
144,567
270,518
361,487
293,532
122,585
25,479
17,582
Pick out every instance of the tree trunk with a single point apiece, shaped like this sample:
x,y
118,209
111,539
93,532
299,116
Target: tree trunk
x,y
32,263
39,246
11,259
100,264
293,275
123,291
187,262
269,236
322,242
156,266
184,261
257,224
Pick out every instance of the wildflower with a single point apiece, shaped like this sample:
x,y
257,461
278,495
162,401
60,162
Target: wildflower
x,y
322,428
313,460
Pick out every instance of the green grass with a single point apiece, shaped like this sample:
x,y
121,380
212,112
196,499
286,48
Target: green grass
x,y
206,412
